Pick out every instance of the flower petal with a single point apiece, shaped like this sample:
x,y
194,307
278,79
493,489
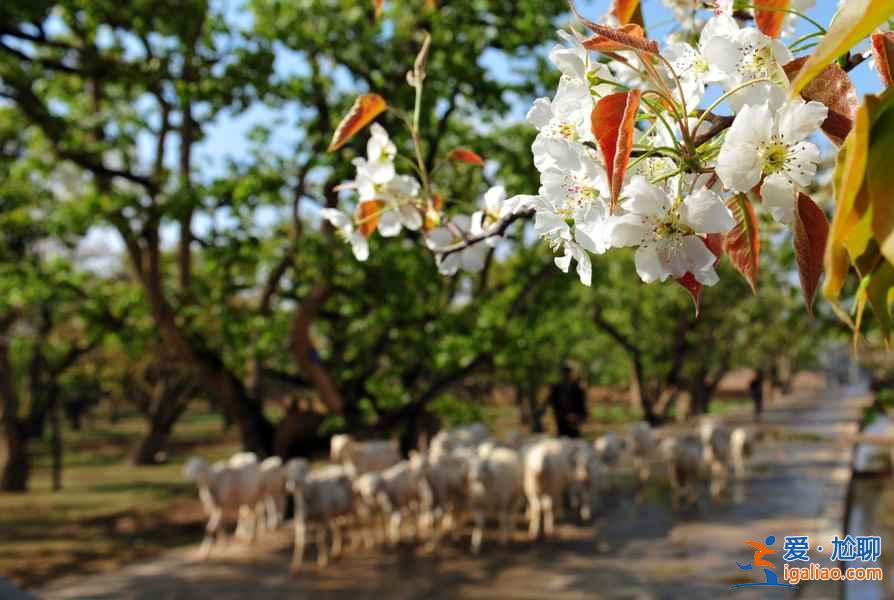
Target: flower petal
x,y
648,265
630,230
705,212
799,119
389,223
645,199
778,194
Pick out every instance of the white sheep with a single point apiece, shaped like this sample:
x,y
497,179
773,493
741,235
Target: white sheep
x,y
323,497
494,486
446,476
716,452
363,457
399,491
369,506
273,484
741,447
465,436
548,475
684,457
224,487
589,475
609,447
643,444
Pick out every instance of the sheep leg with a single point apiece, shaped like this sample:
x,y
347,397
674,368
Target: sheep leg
x,y
300,533
337,539
394,527
322,550
272,513
586,505
534,510
211,530
505,526
477,530
549,518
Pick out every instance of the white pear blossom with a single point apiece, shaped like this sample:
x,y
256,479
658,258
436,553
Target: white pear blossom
x,y
377,179
377,168
401,197
666,233
744,55
762,143
564,119
344,227
471,258
579,255
690,64
487,218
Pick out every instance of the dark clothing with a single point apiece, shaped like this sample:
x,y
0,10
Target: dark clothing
x,y
757,394
569,407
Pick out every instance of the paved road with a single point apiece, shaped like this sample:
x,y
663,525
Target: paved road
x,y
636,550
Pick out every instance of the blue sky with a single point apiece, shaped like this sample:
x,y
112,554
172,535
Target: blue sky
x,y
227,137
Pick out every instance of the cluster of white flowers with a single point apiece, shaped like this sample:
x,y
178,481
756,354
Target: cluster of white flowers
x,y
658,179
397,197
396,202
674,190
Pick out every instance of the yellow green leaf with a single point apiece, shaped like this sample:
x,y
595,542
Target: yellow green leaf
x,y
848,181
879,179
880,291
855,21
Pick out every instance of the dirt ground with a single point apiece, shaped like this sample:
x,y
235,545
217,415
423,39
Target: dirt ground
x,y
636,549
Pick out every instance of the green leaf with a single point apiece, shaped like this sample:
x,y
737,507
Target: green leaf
x,y
880,291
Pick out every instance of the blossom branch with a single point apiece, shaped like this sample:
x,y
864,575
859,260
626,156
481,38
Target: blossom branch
x,y
498,229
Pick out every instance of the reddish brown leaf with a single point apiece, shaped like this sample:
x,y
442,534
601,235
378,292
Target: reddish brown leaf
x,y
612,122
466,156
379,5
626,37
769,16
811,233
625,10
833,88
714,242
743,243
367,216
883,51
366,108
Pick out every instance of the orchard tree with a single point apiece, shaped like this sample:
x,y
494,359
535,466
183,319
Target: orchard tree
x,y
634,151
127,93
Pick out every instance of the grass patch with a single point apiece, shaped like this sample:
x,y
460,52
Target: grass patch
x,y
108,513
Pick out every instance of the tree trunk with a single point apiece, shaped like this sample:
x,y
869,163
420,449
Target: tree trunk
x,y
13,432
699,398
535,409
164,414
14,462
305,353
56,443
149,446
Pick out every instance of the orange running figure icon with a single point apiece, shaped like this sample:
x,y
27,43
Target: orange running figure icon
x,y
760,551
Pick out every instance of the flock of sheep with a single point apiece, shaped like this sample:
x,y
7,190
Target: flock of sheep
x,y
370,490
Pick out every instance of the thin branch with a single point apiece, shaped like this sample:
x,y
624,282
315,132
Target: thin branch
x,y
497,230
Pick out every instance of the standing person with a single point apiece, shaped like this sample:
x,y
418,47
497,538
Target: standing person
x,y
569,404
756,387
